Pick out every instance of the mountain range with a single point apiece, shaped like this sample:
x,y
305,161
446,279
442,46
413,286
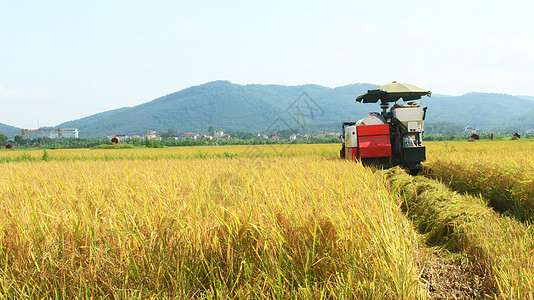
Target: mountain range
x,y
8,130
259,108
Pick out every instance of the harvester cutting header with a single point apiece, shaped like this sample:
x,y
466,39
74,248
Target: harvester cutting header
x,y
393,137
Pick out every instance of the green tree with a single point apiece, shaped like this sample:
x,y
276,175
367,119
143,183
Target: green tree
x,y
151,143
3,139
211,129
169,133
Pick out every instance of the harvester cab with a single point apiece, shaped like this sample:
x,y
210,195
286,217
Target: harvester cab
x,y
395,135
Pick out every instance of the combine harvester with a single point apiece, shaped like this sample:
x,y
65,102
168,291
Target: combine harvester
x,y
389,138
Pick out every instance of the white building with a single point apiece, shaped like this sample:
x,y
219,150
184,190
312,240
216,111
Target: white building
x,y
220,135
64,132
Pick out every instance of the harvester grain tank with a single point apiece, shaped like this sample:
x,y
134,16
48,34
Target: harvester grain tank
x,y
391,137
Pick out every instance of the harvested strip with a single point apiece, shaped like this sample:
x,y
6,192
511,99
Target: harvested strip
x,y
464,223
454,276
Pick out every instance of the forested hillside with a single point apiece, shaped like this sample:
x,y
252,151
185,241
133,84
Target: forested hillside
x,y
258,108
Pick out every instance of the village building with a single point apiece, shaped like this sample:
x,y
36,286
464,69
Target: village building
x,y
220,135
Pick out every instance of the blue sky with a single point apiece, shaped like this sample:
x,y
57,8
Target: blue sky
x,y
63,60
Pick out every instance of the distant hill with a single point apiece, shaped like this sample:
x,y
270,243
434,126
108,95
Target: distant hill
x,y
9,131
256,108
521,122
531,98
479,110
83,122
227,106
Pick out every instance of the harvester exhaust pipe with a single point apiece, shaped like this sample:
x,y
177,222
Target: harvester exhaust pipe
x,y
384,107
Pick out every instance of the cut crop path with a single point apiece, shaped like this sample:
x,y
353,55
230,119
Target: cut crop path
x,y
462,223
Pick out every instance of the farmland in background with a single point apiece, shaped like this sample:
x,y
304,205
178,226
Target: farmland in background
x,y
283,221
116,153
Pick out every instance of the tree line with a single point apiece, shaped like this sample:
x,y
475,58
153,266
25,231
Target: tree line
x,y
72,143
239,138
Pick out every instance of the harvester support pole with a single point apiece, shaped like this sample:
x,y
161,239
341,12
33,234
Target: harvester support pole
x,y
384,107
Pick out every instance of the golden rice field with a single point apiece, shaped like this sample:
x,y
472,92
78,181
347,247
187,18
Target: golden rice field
x,y
301,226
262,151
247,222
